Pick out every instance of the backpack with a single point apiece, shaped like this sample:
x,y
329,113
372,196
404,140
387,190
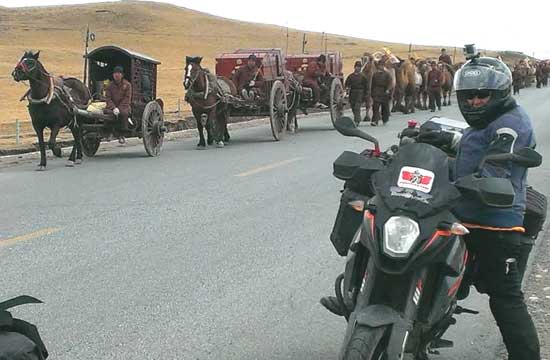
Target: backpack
x,y
19,340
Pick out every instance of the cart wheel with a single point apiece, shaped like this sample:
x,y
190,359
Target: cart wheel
x,y
336,100
278,110
90,144
152,127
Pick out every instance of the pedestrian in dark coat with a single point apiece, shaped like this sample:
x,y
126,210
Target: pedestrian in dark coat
x,y
381,90
357,87
435,79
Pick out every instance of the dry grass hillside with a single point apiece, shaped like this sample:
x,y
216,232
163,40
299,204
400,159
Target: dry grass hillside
x,y
165,32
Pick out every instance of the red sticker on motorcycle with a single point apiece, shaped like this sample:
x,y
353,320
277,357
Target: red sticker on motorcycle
x,y
416,179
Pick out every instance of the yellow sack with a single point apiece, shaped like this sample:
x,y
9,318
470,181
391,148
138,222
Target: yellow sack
x,y
97,107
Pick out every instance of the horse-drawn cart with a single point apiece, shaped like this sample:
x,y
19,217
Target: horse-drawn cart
x,y
331,85
146,117
273,96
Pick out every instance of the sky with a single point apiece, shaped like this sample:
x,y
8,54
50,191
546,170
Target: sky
x,y
490,24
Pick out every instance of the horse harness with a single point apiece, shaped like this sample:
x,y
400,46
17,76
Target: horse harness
x,y
58,91
192,94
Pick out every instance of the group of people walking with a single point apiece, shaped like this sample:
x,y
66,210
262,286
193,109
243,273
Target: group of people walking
x,y
376,89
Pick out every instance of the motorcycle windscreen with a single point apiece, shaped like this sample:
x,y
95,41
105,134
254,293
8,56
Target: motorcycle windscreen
x,y
417,181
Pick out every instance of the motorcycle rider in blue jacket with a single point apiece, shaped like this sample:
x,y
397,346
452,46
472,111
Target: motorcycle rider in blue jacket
x,y
497,125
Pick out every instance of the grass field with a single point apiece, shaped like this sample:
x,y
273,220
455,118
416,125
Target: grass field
x,y
165,32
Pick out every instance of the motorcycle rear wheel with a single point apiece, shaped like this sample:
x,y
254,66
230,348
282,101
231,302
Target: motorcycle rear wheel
x,y
367,343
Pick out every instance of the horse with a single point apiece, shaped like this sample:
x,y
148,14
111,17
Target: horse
x,y
53,103
205,93
447,83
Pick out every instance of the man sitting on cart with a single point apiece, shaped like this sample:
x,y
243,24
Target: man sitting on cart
x,y
315,70
118,97
249,80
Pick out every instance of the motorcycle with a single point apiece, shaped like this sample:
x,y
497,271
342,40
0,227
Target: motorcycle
x,y
407,260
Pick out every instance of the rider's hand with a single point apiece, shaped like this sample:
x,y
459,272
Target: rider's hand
x,y
252,83
436,138
116,111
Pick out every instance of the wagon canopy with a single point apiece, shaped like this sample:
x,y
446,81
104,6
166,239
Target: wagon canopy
x,y
139,69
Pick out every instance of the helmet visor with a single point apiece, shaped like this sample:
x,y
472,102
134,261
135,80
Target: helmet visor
x,y
481,77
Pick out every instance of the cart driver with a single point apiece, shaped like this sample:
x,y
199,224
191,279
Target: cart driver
x,y
248,79
119,97
315,70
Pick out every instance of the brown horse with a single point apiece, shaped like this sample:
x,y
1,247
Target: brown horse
x,y
447,83
205,92
53,103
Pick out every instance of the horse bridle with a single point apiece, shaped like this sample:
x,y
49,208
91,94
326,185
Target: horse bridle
x,y
22,66
193,79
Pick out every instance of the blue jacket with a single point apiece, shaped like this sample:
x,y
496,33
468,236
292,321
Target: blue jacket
x,y
511,130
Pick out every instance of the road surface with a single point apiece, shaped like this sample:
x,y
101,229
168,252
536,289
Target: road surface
x,y
217,254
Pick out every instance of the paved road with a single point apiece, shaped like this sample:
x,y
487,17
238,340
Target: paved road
x,y
218,254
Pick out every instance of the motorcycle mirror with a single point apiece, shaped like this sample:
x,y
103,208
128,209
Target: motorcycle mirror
x,y
346,126
525,157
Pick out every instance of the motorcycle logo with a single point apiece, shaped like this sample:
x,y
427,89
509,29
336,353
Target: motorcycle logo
x,y
416,179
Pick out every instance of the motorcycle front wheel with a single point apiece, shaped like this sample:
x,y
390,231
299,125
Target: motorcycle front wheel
x,y
367,343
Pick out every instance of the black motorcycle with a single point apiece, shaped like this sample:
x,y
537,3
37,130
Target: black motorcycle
x,y
406,263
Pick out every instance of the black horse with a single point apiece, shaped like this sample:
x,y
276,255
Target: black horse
x,y
52,101
205,91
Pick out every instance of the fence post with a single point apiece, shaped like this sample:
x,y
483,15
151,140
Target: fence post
x,y
17,131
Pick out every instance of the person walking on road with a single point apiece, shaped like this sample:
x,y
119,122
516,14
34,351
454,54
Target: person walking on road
x,y
381,90
435,79
357,87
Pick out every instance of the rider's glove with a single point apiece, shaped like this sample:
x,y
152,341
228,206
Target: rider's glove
x,y
252,83
116,111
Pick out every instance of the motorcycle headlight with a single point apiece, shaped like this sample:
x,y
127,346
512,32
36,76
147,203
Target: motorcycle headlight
x,y
400,233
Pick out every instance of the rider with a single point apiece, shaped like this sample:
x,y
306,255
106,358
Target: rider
x,y
445,58
119,97
315,70
497,125
248,79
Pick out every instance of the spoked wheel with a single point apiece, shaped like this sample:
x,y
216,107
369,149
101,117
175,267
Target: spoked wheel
x,y
367,343
278,110
152,127
90,144
336,100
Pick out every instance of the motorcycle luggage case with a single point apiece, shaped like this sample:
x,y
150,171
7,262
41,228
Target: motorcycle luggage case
x,y
348,221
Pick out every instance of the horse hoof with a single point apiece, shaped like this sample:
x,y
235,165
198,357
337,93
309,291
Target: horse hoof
x,y
220,144
69,163
78,161
201,147
41,168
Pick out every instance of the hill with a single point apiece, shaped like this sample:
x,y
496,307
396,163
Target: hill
x,y
165,32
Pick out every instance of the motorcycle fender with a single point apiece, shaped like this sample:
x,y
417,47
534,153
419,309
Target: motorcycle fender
x,y
382,315
377,315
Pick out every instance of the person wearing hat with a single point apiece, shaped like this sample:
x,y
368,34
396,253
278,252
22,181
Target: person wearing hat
x,y
315,70
444,57
357,87
381,87
119,97
248,79
435,80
